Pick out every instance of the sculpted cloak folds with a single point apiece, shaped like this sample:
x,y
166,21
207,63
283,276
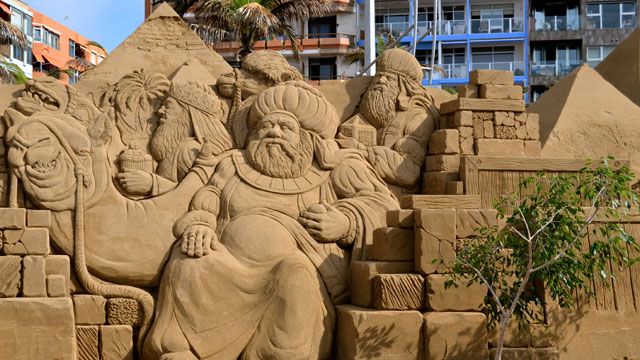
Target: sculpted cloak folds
x,y
268,289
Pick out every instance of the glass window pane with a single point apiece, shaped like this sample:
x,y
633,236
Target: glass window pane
x,y
27,24
593,8
628,21
610,16
36,34
593,53
606,50
504,57
628,7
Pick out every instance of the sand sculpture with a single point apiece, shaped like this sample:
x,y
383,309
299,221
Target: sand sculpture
x,y
170,207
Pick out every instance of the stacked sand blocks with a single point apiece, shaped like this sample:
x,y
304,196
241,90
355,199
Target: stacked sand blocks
x,y
37,308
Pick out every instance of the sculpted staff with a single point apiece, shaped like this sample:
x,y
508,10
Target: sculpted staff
x,y
263,254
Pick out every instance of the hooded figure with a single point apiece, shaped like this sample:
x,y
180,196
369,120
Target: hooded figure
x,y
264,252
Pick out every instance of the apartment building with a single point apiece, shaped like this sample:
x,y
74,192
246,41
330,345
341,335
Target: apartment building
x,y
564,35
55,45
19,15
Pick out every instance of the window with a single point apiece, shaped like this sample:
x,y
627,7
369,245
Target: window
x,y
17,52
595,54
72,49
611,15
37,34
322,27
17,18
494,58
27,24
322,68
100,58
28,57
74,77
45,36
93,58
453,12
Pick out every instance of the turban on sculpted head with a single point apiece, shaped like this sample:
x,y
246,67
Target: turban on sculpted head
x,y
310,107
400,62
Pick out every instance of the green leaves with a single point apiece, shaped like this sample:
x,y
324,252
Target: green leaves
x,y
560,233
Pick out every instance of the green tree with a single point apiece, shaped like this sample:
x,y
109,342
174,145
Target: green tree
x,y
9,34
543,242
251,20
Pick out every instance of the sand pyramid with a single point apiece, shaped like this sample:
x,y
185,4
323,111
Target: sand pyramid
x,y
584,116
161,44
622,67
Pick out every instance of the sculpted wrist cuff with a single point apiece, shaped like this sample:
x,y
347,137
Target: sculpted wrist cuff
x,y
351,234
194,217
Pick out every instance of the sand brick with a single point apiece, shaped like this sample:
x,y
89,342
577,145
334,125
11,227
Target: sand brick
x,y
123,311
493,77
87,337
455,335
12,218
36,241
533,126
362,274
400,218
38,218
59,265
428,248
466,146
393,244
443,163
462,298
116,342
435,182
89,309
398,291
499,147
463,118
455,188
57,286
532,149
488,129
469,220
506,92
33,277
468,91
10,267
372,334
445,141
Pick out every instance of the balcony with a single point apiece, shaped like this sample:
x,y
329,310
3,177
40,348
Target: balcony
x,y
557,23
334,43
553,68
445,27
517,67
448,71
499,25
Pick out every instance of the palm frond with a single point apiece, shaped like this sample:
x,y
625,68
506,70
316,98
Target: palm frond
x,y
302,9
290,33
81,65
256,16
96,44
10,34
11,73
58,72
356,56
215,13
211,35
181,6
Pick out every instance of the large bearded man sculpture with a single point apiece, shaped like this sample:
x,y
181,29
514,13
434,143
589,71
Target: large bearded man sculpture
x,y
264,253
404,115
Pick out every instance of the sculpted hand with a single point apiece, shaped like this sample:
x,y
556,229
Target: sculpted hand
x,y
136,182
325,222
198,240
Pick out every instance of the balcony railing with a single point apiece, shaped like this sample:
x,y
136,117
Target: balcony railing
x,y
556,23
553,68
517,67
445,27
449,71
500,25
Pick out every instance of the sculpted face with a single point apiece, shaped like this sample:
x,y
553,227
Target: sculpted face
x,y
379,102
45,168
252,84
173,127
278,147
43,94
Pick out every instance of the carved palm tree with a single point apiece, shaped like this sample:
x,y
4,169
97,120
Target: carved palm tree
x,y
249,20
9,34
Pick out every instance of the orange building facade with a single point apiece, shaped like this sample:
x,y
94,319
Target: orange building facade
x,y
55,45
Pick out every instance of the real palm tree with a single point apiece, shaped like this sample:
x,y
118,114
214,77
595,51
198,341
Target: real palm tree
x,y
9,34
97,44
249,20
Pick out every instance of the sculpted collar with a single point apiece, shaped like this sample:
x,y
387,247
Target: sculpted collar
x,y
312,179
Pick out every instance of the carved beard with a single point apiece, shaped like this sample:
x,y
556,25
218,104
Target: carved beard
x,y
379,104
285,161
168,136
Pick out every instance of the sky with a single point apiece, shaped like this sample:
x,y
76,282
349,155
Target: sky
x,y
108,22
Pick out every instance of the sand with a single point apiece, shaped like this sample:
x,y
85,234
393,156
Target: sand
x,y
584,116
622,67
